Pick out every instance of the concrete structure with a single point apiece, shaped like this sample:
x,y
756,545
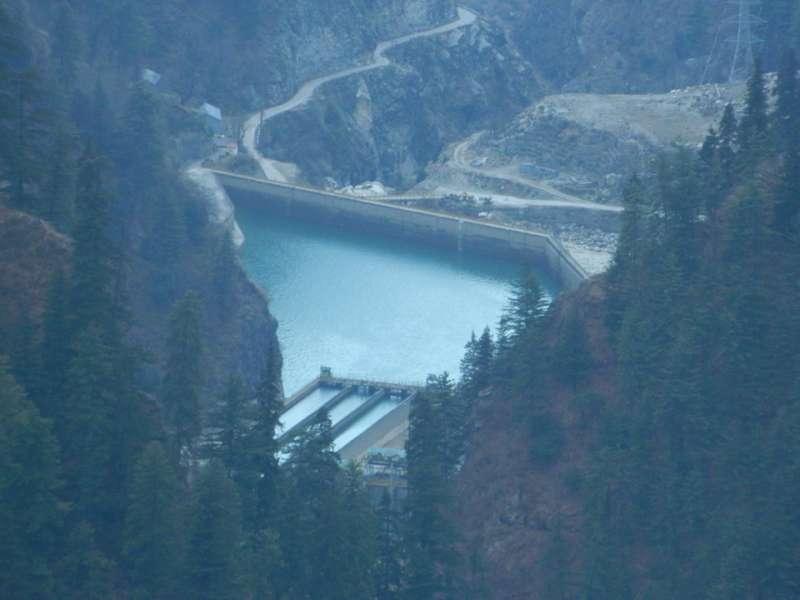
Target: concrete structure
x,y
151,77
385,472
442,229
212,117
365,414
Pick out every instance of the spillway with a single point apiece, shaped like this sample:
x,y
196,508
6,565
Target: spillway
x,y
347,406
307,407
375,414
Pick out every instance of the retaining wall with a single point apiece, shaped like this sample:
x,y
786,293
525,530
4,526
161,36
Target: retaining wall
x,y
447,230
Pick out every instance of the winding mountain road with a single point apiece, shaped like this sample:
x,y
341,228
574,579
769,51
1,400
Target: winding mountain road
x,y
306,91
461,161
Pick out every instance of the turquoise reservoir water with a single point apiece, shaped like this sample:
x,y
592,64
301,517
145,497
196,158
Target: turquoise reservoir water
x,y
369,305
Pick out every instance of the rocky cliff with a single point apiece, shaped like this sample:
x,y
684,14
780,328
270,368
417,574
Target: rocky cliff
x,y
588,145
389,124
608,46
240,56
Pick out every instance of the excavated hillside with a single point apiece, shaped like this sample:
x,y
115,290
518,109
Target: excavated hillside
x,y
588,145
387,125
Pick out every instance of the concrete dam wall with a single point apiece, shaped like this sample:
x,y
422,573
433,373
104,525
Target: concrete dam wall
x,y
444,230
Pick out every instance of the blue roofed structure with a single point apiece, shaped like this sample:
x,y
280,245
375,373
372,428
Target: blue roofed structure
x,y
212,116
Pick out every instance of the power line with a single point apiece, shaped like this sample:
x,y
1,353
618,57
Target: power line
x,y
745,21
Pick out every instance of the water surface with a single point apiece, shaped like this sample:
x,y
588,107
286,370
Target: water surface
x,y
369,305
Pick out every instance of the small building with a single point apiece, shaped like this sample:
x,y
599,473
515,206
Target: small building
x,y
151,77
212,117
385,470
224,146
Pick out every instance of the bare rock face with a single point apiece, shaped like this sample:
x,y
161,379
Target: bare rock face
x,y
389,124
239,58
589,144
324,35
302,39
607,46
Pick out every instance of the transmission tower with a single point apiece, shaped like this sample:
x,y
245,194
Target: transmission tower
x,y
744,41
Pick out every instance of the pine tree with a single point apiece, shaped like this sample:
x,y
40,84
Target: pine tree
x,y
556,564
786,116
429,536
262,563
728,147
183,377
30,124
501,366
30,481
253,457
11,50
24,120
144,150
389,566
214,536
153,527
84,572
311,534
786,132
230,419
86,428
468,361
55,349
786,196
60,184
525,306
754,125
101,123
355,572
679,203
67,46
476,366
709,148
629,244
709,169
262,445
91,293
25,366
571,357
452,417
133,34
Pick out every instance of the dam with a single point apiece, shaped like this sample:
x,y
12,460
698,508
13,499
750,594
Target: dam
x,y
368,305
446,230
378,299
364,414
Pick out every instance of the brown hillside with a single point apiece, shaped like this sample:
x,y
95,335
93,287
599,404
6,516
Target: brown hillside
x,y
511,509
31,252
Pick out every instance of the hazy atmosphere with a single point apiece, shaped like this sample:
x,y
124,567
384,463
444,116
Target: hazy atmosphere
x,y
399,300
